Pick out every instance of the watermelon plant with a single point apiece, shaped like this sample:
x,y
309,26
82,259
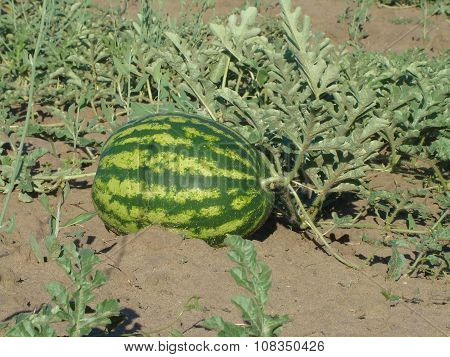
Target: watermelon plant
x,y
211,126
69,305
256,277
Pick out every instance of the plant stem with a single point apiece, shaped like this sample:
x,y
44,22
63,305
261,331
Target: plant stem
x,y
441,218
62,177
79,311
159,95
439,175
238,82
305,186
276,158
53,125
129,81
200,97
18,165
424,6
149,91
372,226
318,234
412,269
225,74
298,161
276,180
58,213
318,201
393,216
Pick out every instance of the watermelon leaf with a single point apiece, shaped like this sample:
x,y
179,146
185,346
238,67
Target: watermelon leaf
x,y
256,277
81,218
225,329
70,305
396,264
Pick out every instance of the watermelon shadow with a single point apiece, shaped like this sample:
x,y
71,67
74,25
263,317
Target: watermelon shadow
x,y
266,230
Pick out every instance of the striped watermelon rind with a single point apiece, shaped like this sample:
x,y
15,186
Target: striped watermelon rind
x,y
182,172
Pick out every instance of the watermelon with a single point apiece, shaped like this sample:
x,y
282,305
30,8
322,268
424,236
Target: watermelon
x,y
182,172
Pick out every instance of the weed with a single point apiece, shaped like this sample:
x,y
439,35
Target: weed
x,y
70,305
256,277
356,19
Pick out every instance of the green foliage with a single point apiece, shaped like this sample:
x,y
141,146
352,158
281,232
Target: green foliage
x,y
256,277
389,205
407,225
70,305
389,296
322,116
396,263
356,19
431,244
55,224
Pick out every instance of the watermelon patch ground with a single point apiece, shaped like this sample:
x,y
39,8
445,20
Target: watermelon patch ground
x,y
153,273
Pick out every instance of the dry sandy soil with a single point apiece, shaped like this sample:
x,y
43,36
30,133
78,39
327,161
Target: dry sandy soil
x,y
155,272
394,28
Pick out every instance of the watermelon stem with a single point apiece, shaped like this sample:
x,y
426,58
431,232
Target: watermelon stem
x,y
225,74
269,183
57,180
305,216
293,173
285,181
62,177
